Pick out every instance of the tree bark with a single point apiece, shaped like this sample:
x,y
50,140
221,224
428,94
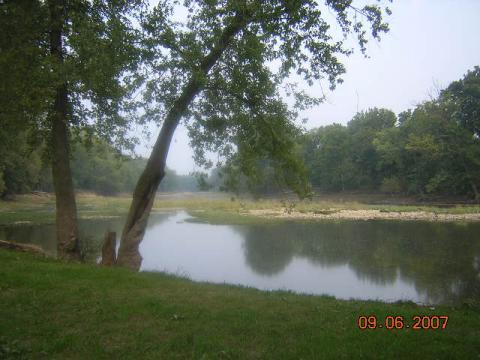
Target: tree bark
x,y
66,209
147,185
108,249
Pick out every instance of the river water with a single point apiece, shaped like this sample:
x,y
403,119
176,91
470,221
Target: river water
x,y
424,262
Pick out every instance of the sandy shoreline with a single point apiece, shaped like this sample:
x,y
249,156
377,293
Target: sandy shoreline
x,y
364,215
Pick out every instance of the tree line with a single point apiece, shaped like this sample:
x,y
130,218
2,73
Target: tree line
x,y
97,167
432,149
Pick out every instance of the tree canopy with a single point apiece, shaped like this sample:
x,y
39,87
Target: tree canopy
x,y
100,54
433,149
239,111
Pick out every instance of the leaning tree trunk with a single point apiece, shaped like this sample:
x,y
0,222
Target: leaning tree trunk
x,y
147,185
66,209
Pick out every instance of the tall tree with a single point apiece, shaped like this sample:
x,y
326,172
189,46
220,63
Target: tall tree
x,y
363,127
218,72
66,215
327,152
464,97
430,151
68,66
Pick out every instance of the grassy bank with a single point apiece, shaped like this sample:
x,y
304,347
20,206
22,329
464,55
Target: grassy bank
x,y
54,310
214,207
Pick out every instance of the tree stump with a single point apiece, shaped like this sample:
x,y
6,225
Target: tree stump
x,y
108,249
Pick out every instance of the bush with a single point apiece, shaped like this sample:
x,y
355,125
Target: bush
x,y
391,185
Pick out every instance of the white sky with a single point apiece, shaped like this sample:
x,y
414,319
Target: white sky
x,y
430,44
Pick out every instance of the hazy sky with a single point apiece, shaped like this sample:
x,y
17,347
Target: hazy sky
x,y
430,44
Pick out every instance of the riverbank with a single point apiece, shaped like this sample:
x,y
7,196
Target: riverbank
x,y
365,214
220,208
56,310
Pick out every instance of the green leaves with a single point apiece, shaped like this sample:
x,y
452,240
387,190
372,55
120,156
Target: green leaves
x,y
429,150
101,55
120,55
25,66
464,97
240,114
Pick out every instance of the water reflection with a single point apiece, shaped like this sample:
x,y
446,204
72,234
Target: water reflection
x,y
387,260
269,249
92,232
441,260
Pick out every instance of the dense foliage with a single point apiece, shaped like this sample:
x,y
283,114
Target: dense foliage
x,y
97,167
99,56
228,66
432,149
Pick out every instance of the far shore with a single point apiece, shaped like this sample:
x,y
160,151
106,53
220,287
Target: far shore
x,y
39,208
364,214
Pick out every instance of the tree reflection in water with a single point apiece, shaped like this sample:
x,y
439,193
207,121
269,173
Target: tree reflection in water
x,y
440,259
92,232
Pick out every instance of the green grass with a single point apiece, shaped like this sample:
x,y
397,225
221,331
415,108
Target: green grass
x,y
316,205
229,217
41,209
55,310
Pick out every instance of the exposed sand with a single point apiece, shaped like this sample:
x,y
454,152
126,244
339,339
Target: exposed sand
x,y
365,215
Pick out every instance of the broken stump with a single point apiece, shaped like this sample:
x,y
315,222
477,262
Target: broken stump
x,y
108,249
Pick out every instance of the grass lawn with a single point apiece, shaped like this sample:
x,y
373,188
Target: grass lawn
x,y
55,310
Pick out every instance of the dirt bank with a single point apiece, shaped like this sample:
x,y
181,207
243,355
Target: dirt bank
x,y
335,214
